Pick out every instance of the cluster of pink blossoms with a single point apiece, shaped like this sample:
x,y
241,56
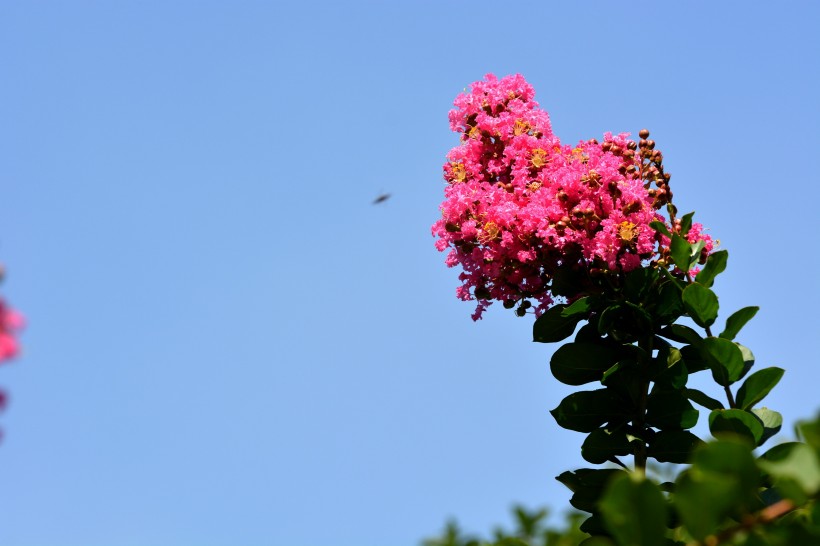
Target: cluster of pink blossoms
x,y
520,207
10,322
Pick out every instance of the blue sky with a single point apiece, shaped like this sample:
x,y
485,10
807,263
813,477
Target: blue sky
x,y
229,345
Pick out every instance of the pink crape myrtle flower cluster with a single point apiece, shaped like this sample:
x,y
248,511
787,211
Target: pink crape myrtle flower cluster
x,y
10,323
520,206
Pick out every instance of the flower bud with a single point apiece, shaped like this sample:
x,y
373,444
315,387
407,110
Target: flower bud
x,y
643,133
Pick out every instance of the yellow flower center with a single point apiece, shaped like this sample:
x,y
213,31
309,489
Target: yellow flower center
x,y
459,172
627,231
521,127
539,158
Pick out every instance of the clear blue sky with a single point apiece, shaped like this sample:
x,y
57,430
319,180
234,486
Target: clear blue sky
x,y
229,345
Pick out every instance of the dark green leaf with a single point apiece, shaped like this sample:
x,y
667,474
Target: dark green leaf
x,y
736,422
715,264
660,227
680,333
701,398
737,321
725,359
587,485
596,541
634,511
638,282
772,422
669,305
701,304
673,446
586,411
686,223
757,386
670,410
553,326
580,363
679,249
594,525
693,358
673,374
601,445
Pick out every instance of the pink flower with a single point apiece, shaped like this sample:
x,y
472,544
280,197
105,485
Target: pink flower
x,y
520,206
10,322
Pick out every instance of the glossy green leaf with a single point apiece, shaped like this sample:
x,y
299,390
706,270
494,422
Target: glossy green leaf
x,y
715,265
660,227
581,363
757,386
748,359
725,359
772,422
601,445
702,399
634,511
586,411
680,333
670,410
553,326
679,249
694,360
736,422
686,223
701,304
673,446
597,541
737,321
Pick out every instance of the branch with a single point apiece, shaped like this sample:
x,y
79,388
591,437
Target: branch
x,y
767,515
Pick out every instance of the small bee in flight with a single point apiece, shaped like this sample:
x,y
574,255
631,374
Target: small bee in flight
x,y
381,198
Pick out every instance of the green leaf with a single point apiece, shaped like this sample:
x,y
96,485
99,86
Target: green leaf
x,y
596,541
722,481
737,321
799,465
579,308
725,359
670,410
660,227
634,511
686,223
757,386
680,333
581,363
669,305
748,359
701,398
673,446
809,431
638,282
715,265
601,445
673,374
553,326
586,411
693,358
587,485
701,304
772,422
736,422
679,249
